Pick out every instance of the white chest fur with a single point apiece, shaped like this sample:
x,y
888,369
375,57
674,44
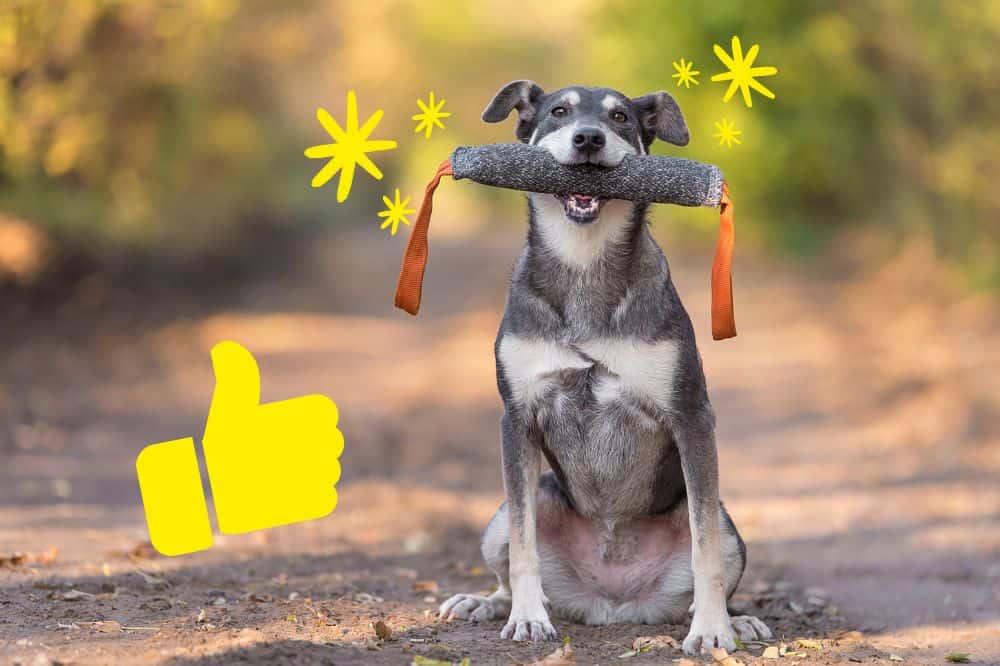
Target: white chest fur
x,y
644,370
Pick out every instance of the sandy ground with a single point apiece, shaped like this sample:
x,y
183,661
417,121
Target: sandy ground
x,y
859,429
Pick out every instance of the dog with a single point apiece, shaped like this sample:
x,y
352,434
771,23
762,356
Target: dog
x,y
599,372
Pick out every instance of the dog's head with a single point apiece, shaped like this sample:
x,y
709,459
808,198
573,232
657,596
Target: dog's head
x,y
583,125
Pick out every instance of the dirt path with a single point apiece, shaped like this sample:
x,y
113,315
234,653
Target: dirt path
x,y
860,443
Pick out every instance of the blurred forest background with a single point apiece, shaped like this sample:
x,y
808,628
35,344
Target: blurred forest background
x,y
161,133
155,200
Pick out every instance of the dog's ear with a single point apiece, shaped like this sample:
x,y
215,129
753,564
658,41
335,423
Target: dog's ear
x,y
661,118
521,95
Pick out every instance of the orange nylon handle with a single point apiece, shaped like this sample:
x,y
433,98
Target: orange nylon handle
x,y
723,319
411,273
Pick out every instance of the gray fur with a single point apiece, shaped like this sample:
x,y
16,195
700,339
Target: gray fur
x,y
599,372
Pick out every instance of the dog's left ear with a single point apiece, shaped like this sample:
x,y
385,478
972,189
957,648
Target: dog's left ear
x,y
661,118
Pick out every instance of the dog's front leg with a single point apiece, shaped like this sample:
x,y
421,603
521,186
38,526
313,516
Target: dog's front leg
x,y
521,468
710,626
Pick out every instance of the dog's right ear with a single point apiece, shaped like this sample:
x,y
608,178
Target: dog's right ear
x,y
521,95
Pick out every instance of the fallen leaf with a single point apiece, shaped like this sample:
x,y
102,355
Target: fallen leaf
x,y
627,655
771,653
722,657
142,551
563,656
13,560
17,559
157,604
382,630
419,660
76,595
895,657
47,557
809,643
202,616
107,626
425,586
155,582
958,657
646,643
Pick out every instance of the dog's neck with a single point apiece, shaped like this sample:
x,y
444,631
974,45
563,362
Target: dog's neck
x,y
586,267
582,246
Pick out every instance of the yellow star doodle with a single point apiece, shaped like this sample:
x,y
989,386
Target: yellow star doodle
x,y
349,148
685,76
742,74
431,115
727,134
395,212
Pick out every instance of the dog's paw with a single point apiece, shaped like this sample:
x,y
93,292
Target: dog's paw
x,y
470,607
708,633
749,628
528,630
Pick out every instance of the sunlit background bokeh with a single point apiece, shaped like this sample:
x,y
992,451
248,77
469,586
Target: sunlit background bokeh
x,y
165,129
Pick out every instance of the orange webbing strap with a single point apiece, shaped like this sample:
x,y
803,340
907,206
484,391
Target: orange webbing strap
x,y
411,274
723,321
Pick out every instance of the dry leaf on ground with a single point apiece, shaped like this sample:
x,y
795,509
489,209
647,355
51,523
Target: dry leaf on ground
x,y
18,559
153,581
645,643
13,560
382,630
427,661
563,656
76,595
771,652
425,586
107,626
723,658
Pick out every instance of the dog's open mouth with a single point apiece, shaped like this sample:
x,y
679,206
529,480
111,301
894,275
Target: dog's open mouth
x,y
581,208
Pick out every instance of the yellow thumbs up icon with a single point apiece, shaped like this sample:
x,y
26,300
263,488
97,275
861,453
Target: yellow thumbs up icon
x,y
268,465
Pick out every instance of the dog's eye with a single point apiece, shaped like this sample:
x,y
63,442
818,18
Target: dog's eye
x,y
619,117
559,111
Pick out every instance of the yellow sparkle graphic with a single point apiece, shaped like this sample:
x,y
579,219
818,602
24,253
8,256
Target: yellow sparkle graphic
x,y
395,212
685,75
431,115
727,133
742,73
349,148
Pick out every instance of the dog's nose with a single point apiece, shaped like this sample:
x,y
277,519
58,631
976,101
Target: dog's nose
x,y
588,140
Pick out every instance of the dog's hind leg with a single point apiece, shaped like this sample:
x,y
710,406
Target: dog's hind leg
x,y
495,548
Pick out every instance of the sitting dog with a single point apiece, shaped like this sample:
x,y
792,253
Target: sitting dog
x,y
599,373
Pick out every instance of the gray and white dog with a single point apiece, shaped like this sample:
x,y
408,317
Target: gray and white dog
x,y
599,373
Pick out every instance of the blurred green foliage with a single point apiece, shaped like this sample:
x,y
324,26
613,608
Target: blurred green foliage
x,y
170,125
